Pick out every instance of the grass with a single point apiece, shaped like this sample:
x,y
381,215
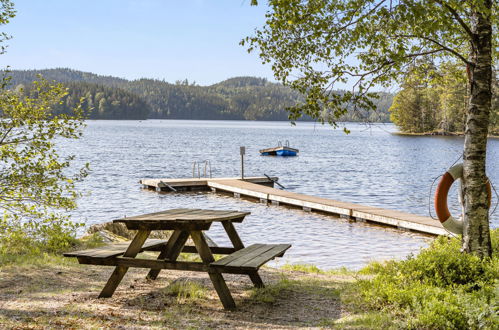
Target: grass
x,y
186,291
312,269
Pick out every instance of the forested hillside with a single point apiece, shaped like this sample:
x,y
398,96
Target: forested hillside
x,y
241,98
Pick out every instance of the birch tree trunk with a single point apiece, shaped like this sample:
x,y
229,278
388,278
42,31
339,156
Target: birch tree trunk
x,y
476,234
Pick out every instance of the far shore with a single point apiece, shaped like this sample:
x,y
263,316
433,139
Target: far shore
x,y
440,133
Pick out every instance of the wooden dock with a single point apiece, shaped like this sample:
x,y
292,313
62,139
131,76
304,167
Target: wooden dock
x,y
197,184
261,188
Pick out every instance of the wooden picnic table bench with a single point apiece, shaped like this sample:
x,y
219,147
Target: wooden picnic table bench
x,y
185,223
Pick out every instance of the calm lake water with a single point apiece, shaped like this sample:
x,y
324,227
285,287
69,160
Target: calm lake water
x,y
370,166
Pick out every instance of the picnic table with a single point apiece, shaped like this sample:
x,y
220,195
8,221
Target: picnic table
x,y
183,223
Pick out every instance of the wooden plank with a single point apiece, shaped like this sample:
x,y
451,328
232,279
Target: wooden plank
x,y
240,257
238,245
214,249
115,250
120,271
239,262
167,225
261,259
256,279
170,251
147,263
216,278
234,187
189,219
233,235
237,254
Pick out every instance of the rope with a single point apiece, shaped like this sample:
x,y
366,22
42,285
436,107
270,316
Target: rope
x,y
497,199
433,183
429,197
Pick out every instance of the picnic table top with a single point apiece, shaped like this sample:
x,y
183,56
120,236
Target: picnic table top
x,y
181,217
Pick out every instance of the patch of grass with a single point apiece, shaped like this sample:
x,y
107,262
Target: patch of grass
x,y
305,268
39,257
271,292
369,320
192,257
36,260
186,291
312,269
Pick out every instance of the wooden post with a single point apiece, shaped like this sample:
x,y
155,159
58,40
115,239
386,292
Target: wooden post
x,y
233,236
120,271
216,278
238,245
171,250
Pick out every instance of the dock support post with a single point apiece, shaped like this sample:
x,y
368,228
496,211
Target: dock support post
x,y
276,203
264,200
307,209
237,195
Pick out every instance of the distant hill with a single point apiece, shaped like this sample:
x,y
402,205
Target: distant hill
x,y
238,98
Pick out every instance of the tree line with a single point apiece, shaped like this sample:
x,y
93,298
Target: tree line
x,y
239,98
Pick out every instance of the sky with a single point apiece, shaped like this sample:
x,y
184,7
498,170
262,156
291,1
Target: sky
x,y
161,39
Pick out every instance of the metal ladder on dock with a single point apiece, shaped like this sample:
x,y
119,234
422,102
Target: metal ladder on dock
x,y
196,165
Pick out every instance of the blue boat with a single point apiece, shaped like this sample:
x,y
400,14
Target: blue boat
x,y
280,150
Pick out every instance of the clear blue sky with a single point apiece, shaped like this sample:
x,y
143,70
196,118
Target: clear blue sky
x,y
163,39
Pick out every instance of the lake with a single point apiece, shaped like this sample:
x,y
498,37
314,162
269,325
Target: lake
x,y
369,166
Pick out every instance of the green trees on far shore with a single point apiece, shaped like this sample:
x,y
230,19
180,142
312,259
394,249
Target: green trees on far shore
x,y
238,98
97,101
434,99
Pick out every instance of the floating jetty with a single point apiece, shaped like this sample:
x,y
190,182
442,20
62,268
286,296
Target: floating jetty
x,y
261,188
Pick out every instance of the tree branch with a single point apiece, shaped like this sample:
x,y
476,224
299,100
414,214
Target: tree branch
x,y
458,18
443,47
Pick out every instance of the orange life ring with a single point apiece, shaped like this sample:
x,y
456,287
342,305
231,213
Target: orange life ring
x,y
448,221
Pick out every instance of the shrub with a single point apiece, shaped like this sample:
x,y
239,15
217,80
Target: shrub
x,y
439,288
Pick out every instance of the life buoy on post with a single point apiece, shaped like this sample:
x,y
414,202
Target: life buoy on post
x,y
448,221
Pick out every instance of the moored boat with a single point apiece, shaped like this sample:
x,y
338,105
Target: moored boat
x,y
280,150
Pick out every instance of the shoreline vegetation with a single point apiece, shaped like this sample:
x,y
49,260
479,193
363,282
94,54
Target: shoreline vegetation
x,y
438,288
439,133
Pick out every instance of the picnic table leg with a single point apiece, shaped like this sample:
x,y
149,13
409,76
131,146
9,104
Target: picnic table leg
x,y
171,250
233,235
216,278
120,271
238,245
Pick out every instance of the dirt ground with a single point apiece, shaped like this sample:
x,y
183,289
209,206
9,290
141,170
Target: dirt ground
x,y
64,295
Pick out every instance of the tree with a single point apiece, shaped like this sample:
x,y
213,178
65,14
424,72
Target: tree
x,y
431,99
314,45
35,183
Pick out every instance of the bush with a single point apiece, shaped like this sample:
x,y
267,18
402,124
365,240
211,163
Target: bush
x,y
439,288
52,235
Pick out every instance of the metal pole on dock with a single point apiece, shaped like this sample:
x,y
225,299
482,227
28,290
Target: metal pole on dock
x,y
242,151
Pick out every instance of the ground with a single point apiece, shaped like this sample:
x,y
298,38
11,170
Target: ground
x,y
52,291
